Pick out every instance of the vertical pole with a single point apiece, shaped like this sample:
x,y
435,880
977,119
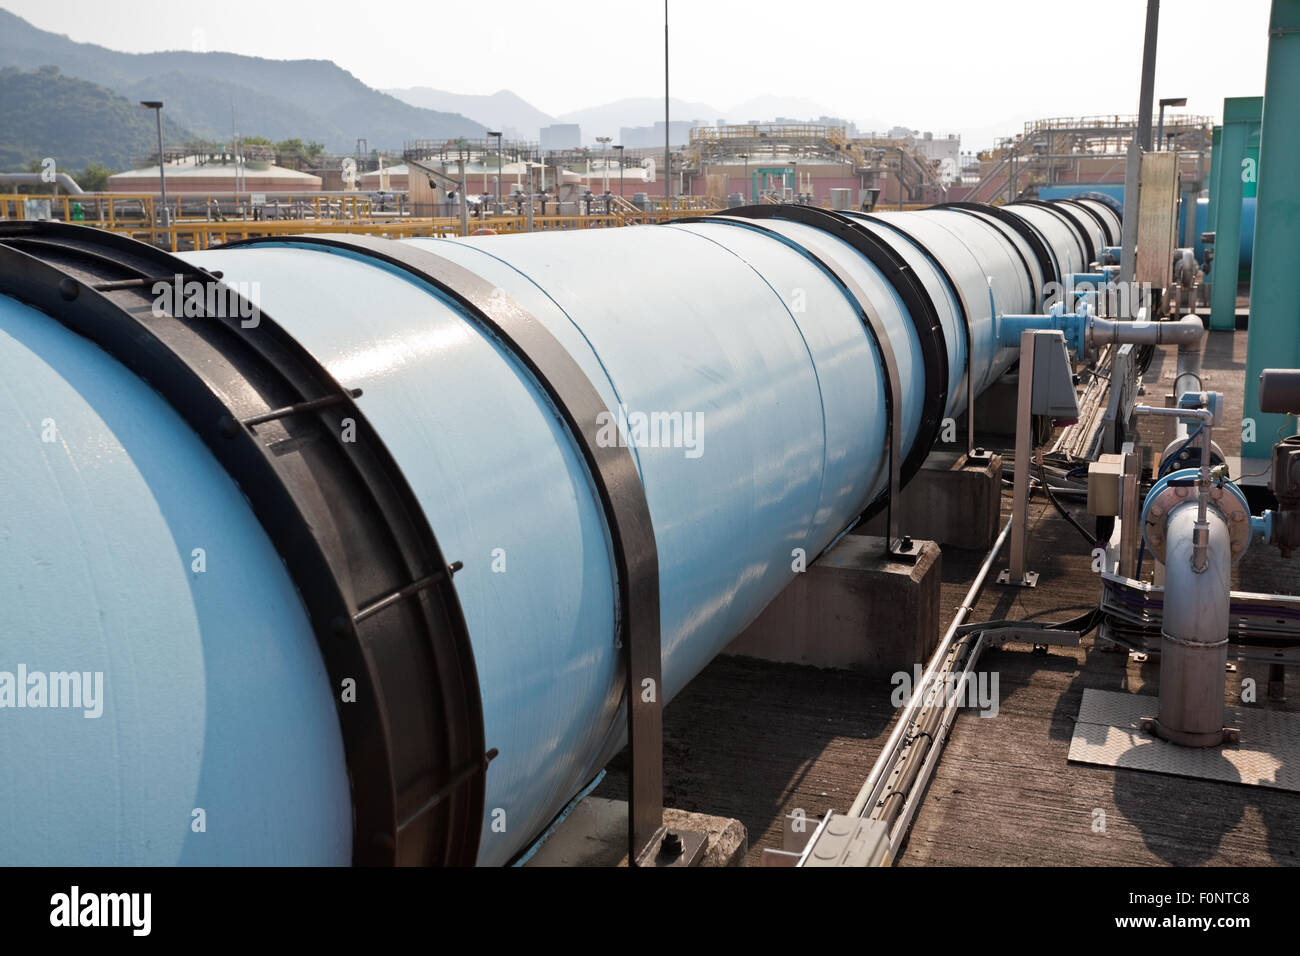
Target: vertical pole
x,y
668,156
162,175
1274,339
1140,143
1024,450
1130,520
464,203
900,178
1146,95
1016,575
531,190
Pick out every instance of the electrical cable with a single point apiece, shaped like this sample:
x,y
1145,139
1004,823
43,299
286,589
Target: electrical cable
x,y
1084,623
1047,489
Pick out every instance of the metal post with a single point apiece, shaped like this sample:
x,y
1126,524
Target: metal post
x,y
1141,142
156,106
1148,90
532,188
464,197
499,172
900,177
1016,575
162,174
668,156
1274,339
1130,514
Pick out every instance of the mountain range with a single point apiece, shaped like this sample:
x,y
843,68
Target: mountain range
x,y
79,102
208,93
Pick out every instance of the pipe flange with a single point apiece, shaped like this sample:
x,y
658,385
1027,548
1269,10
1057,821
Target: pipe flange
x,y
366,563
918,307
1179,488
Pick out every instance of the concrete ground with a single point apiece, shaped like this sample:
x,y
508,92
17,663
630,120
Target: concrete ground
x,y
755,740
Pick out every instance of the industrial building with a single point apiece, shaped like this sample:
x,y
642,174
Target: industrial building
x,y
193,174
805,503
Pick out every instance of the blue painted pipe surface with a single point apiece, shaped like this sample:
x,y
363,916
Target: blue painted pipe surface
x,y
203,729
1247,251
766,400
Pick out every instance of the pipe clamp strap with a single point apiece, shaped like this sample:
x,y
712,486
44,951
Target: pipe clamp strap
x,y
962,308
877,333
1028,232
918,305
1073,222
340,514
1097,220
612,469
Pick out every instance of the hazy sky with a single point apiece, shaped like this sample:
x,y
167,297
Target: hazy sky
x,y
970,67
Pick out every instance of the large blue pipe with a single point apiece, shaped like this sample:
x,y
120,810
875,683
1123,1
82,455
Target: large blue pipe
x,y
743,334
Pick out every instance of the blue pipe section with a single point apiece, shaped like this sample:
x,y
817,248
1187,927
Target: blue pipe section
x,y
205,731
770,408
1073,324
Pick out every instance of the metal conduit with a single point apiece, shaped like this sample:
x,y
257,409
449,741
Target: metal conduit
x,y
559,436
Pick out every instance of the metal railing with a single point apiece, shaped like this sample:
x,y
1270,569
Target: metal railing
x,y
186,235
114,209
704,135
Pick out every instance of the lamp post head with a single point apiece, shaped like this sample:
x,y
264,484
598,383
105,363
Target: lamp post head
x,y
151,104
1174,101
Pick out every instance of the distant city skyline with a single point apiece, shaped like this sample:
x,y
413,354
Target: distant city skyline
x,y
977,70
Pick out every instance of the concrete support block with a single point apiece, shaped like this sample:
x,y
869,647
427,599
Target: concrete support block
x,y
951,500
595,834
853,609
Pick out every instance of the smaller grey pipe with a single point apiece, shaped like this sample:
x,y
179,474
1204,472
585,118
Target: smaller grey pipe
x,y
34,179
1194,644
1186,331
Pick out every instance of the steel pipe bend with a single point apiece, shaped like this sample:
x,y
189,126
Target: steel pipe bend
x,y
1194,645
731,362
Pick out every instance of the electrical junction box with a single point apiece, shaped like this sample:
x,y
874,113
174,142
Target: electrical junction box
x,y
1053,393
1105,478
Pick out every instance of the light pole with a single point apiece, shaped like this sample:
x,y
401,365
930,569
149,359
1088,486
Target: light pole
x,y
498,136
1160,132
619,147
668,155
901,157
156,106
604,162
749,192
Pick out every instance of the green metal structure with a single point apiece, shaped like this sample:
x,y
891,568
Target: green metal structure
x,y
1233,169
1274,338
